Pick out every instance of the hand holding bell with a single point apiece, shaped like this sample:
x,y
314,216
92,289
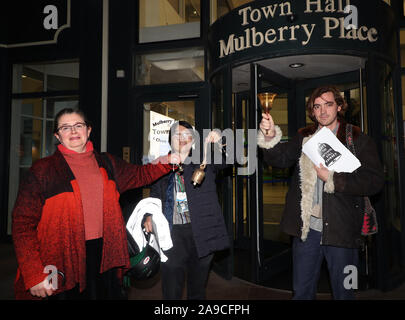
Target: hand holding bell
x,y
266,100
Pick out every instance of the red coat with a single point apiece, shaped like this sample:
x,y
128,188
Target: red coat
x,y
48,226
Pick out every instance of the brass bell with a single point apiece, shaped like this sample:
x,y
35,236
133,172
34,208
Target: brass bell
x,y
198,175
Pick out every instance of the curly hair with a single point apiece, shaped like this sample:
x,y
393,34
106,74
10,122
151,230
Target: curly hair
x,y
340,101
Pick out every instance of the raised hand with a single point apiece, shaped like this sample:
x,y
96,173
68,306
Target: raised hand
x,y
267,126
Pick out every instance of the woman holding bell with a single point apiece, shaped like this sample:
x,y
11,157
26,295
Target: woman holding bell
x,y
195,218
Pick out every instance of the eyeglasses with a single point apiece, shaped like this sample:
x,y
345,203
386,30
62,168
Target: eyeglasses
x,y
184,136
77,127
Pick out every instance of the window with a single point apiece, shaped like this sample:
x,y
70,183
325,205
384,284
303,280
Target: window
x,y
162,20
403,102
157,120
220,8
170,67
40,91
45,77
402,44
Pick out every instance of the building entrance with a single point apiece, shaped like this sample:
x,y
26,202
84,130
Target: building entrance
x,y
262,252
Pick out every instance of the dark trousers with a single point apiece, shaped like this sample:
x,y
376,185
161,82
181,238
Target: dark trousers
x,y
182,263
307,260
99,286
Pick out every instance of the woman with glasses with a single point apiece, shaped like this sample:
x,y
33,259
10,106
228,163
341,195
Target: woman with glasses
x,y
195,218
68,230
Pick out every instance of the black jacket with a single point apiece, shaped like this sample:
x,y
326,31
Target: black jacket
x,y
342,201
207,220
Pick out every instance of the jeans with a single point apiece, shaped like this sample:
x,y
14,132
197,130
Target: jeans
x,y
183,262
307,260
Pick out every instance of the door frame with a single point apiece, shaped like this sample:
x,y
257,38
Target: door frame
x,y
262,269
200,92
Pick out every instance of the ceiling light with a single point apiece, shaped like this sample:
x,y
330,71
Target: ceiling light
x,y
296,65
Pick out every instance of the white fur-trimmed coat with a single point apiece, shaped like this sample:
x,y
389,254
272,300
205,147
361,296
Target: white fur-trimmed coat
x,y
342,201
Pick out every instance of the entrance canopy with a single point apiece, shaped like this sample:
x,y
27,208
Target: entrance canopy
x,y
262,29
299,67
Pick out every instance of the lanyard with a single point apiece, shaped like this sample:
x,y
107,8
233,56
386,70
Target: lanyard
x,y
179,182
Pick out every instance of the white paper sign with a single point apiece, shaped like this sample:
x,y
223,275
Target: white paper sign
x,y
325,148
159,135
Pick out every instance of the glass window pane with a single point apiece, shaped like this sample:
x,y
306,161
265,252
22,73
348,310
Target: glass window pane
x,y
220,8
402,44
157,119
162,20
32,107
275,181
392,214
279,112
403,103
27,80
46,77
30,141
54,105
170,67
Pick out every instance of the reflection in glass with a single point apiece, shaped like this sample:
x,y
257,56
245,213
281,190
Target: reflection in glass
x,y
163,20
30,141
391,214
275,182
403,104
170,67
402,45
32,135
45,77
157,119
220,8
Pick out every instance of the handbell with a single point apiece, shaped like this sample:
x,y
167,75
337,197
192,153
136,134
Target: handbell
x,y
198,175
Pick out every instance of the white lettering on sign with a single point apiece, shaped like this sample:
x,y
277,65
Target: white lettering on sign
x,y
329,6
345,27
51,20
255,15
254,38
362,33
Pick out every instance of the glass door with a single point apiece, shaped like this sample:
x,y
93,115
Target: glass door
x,y
149,140
158,116
261,250
275,249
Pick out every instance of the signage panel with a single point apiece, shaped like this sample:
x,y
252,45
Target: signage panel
x,y
279,28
